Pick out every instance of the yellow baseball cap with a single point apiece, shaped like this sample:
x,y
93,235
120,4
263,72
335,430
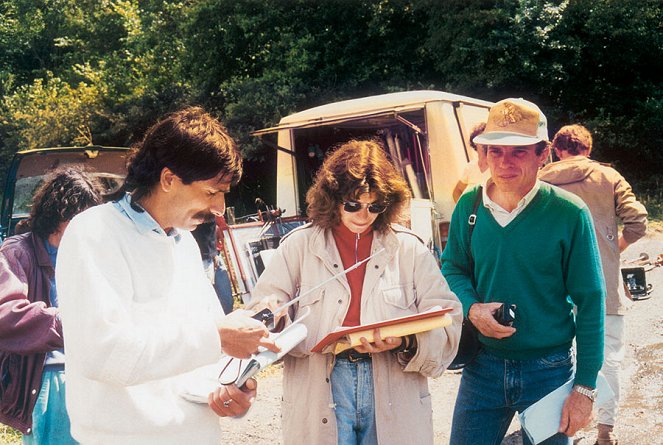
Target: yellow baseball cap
x,y
514,122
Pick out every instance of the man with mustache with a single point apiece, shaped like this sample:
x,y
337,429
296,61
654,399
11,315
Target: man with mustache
x,y
137,308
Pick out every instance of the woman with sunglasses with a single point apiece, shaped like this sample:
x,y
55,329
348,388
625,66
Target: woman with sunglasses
x,y
377,392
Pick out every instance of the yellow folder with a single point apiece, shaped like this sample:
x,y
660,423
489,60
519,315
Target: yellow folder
x,y
343,338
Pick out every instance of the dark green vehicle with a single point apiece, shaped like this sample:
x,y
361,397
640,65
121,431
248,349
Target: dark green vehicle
x,y
28,168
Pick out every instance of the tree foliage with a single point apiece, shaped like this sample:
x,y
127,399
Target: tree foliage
x,y
50,111
259,63
593,62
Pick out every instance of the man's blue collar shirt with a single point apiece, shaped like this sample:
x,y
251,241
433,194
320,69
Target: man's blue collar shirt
x,y
142,218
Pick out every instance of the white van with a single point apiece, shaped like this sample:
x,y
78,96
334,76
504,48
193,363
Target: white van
x,y
425,132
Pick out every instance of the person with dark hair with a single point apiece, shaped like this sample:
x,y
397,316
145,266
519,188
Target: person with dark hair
x,y
610,199
138,312
215,269
518,241
377,392
32,389
476,171
205,236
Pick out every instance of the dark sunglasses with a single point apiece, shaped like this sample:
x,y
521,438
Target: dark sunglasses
x,y
354,206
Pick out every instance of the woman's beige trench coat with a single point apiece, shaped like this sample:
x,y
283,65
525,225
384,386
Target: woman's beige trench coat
x,y
402,280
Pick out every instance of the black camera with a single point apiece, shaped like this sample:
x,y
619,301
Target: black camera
x,y
506,314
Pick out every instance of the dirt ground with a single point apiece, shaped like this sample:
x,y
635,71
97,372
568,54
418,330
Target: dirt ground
x,y
641,407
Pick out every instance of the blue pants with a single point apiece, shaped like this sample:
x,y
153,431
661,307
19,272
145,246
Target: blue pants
x,y
492,390
50,421
352,391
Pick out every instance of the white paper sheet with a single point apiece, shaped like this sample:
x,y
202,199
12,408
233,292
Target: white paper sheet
x,y
541,420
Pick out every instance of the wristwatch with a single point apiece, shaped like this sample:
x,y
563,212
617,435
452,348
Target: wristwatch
x,y
585,391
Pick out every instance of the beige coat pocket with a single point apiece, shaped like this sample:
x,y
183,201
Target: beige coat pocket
x,y
400,297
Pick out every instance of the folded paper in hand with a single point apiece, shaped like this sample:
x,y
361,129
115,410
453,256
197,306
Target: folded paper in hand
x,y
200,383
541,420
343,338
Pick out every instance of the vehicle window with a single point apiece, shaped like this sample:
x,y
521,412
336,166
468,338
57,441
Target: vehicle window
x,y
26,188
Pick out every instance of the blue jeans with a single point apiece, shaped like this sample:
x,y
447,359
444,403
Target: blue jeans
x,y
223,287
492,390
50,421
352,391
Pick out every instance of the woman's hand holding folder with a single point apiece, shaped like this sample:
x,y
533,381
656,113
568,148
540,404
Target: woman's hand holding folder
x,y
379,344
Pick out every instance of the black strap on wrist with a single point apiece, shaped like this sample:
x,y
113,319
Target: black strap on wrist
x,y
408,344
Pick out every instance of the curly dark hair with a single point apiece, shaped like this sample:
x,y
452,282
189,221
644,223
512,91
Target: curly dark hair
x,y
191,143
65,193
575,139
355,168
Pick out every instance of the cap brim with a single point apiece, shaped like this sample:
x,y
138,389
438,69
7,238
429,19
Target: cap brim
x,y
497,138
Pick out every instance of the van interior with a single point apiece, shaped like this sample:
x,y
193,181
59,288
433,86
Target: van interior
x,y
402,135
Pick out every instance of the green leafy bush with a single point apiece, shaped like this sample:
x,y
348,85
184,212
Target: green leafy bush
x,y
9,436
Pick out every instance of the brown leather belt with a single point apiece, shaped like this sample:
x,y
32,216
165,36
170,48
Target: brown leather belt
x,y
353,356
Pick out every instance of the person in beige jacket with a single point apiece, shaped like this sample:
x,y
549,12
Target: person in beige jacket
x,y
610,199
377,392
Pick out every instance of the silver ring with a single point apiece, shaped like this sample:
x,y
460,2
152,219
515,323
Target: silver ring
x,y
227,403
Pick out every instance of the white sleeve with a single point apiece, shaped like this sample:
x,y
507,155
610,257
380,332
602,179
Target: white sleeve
x,y
110,334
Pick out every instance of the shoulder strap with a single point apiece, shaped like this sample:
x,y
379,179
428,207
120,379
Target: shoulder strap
x,y
471,221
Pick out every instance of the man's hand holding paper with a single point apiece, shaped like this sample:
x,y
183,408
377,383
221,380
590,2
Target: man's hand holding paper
x,y
562,411
241,335
231,401
576,413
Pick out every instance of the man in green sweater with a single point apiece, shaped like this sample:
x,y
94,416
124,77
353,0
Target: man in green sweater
x,y
533,245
